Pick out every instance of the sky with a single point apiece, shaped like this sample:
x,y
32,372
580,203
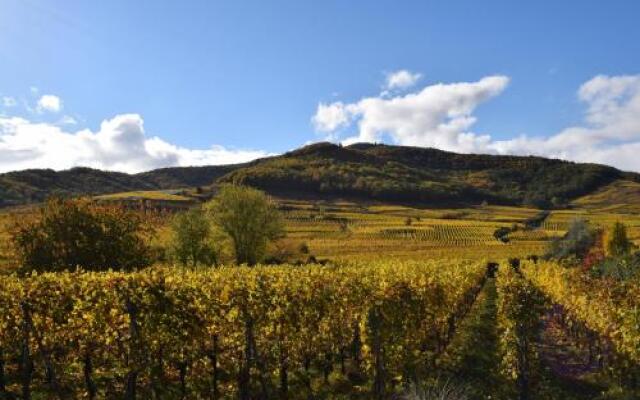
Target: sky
x,y
136,85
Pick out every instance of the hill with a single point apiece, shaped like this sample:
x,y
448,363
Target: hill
x,y
623,195
361,171
424,175
34,185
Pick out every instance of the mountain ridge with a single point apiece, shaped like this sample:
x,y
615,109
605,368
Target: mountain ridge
x,y
362,170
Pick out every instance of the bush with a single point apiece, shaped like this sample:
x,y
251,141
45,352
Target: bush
x,y
619,268
282,252
303,248
576,242
617,243
79,233
502,234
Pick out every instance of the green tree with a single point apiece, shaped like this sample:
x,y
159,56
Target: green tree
x,y
191,238
617,242
249,218
70,233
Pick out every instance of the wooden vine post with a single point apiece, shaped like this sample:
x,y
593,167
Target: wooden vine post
x,y
132,376
26,364
375,326
213,358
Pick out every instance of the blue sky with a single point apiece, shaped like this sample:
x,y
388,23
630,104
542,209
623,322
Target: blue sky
x,y
248,77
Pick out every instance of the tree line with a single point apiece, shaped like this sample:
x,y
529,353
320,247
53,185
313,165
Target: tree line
x,y
69,233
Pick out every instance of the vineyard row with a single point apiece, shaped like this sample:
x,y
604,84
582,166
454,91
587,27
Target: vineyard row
x,y
260,332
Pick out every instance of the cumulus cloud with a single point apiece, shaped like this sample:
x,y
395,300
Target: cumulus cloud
x,y
401,79
609,134
441,116
438,115
119,144
330,117
49,102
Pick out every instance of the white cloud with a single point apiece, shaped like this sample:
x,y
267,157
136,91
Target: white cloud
x,y
441,116
49,102
9,101
120,144
67,120
438,115
330,117
610,133
401,79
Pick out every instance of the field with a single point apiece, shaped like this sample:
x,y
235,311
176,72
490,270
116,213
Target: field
x,y
350,231
403,295
351,330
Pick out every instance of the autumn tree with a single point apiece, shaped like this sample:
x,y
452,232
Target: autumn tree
x,y
71,233
249,218
191,238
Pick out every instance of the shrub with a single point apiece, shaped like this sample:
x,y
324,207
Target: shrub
x,y
303,248
502,234
343,224
617,243
79,233
576,242
283,251
595,254
619,268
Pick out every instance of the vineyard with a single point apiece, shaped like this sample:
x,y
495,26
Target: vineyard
x,y
342,231
319,200
353,232
231,332
354,330
400,298
604,317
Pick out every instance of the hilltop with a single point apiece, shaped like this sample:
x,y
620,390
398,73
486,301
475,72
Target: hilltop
x,y
425,175
361,171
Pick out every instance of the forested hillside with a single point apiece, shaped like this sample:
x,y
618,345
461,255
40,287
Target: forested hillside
x,y
35,185
412,174
360,171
